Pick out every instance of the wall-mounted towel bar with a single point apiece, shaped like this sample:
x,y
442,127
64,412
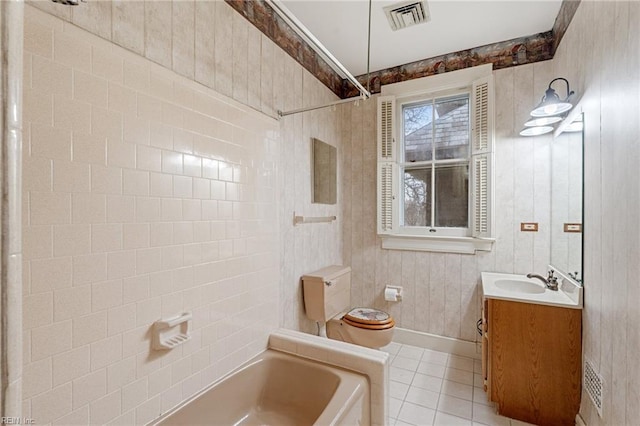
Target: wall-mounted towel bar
x,y
298,220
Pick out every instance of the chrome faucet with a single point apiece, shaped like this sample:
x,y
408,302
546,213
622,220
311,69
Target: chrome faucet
x,y
551,282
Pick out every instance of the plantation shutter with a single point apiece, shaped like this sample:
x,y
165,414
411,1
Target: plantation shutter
x,y
482,157
387,167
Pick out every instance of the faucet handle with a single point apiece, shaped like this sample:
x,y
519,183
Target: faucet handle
x,y
550,275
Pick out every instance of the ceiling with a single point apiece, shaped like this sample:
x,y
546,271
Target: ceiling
x,y
342,25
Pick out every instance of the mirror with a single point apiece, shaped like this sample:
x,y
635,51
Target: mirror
x,y
567,174
324,173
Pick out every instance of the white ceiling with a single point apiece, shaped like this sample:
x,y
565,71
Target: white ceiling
x,y
341,25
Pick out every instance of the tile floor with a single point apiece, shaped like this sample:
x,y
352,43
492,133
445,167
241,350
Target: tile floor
x,y
437,388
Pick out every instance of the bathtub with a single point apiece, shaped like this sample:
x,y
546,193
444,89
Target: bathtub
x,y
276,388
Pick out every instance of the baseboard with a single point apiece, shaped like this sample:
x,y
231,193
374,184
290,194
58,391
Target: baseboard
x,y
580,421
437,343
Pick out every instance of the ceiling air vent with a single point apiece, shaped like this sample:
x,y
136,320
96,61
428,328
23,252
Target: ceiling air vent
x,y
407,13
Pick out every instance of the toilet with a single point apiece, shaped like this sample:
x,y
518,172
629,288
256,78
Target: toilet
x,y
327,297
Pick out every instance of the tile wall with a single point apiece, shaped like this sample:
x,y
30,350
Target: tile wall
x,y
442,293
211,43
147,194
600,56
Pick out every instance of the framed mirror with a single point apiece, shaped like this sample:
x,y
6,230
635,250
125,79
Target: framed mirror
x,y
567,195
324,172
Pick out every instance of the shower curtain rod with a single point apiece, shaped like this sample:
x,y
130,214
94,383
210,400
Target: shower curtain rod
x,y
318,46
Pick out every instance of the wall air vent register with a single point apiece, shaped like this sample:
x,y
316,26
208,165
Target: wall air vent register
x,y
407,13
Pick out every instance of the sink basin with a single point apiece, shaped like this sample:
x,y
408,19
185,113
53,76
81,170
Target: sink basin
x,y
517,286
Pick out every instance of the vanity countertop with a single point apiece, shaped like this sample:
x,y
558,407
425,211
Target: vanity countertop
x,y
519,288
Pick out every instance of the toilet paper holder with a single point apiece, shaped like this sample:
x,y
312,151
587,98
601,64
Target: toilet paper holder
x,y
393,293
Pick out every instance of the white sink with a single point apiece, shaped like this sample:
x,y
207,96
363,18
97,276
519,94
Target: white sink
x,y
517,286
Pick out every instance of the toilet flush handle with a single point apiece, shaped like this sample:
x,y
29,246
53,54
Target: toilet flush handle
x,y
329,283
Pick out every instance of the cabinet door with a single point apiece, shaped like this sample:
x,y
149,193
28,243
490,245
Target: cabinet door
x,y
535,361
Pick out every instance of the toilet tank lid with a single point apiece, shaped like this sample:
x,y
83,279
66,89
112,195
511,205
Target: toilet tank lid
x,y
328,273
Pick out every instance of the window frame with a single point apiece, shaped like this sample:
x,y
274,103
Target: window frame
x,y
478,82
439,231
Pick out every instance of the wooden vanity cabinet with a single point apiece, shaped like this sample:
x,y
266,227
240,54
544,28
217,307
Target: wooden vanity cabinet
x,y
532,360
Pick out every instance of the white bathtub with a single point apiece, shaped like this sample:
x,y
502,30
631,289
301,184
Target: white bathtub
x,y
280,389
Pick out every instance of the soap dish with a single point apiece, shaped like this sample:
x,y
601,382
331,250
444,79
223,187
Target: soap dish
x,y
171,332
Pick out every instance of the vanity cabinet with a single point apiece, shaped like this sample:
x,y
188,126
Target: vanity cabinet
x,y
531,360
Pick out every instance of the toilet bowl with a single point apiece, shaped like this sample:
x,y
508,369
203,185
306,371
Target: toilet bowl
x,y
327,301
371,332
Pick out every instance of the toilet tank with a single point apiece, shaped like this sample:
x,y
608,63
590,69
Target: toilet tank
x,y
327,292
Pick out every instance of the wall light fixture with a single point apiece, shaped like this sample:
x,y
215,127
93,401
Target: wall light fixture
x,y
548,111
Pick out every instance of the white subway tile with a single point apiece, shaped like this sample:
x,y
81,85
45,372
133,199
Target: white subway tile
x,y
135,288
90,89
106,64
161,86
52,404
37,310
183,141
159,381
70,365
106,352
106,408
136,75
89,149
136,235
121,318
71,302
134,394
120,208
49,142
172,162
89,268
89,329
77,417
105,123
71,240
148,158
37,378
49,274
106,180
88,388
49,77
161,135
107,294
67,50
136,130
38,39
147,209
148,411
148,311
161,185
121,154
37,242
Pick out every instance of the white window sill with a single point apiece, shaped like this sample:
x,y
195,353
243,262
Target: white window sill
x,y
462,245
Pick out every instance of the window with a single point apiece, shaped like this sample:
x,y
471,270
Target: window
x,y
434,158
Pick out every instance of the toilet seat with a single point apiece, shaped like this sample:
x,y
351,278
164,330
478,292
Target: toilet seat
x,y
369,319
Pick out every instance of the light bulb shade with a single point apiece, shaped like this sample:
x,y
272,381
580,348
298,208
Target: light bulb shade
x,y
543,121
551,103
536,131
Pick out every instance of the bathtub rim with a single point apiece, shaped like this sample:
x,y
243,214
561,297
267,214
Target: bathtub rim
x,y
339,403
